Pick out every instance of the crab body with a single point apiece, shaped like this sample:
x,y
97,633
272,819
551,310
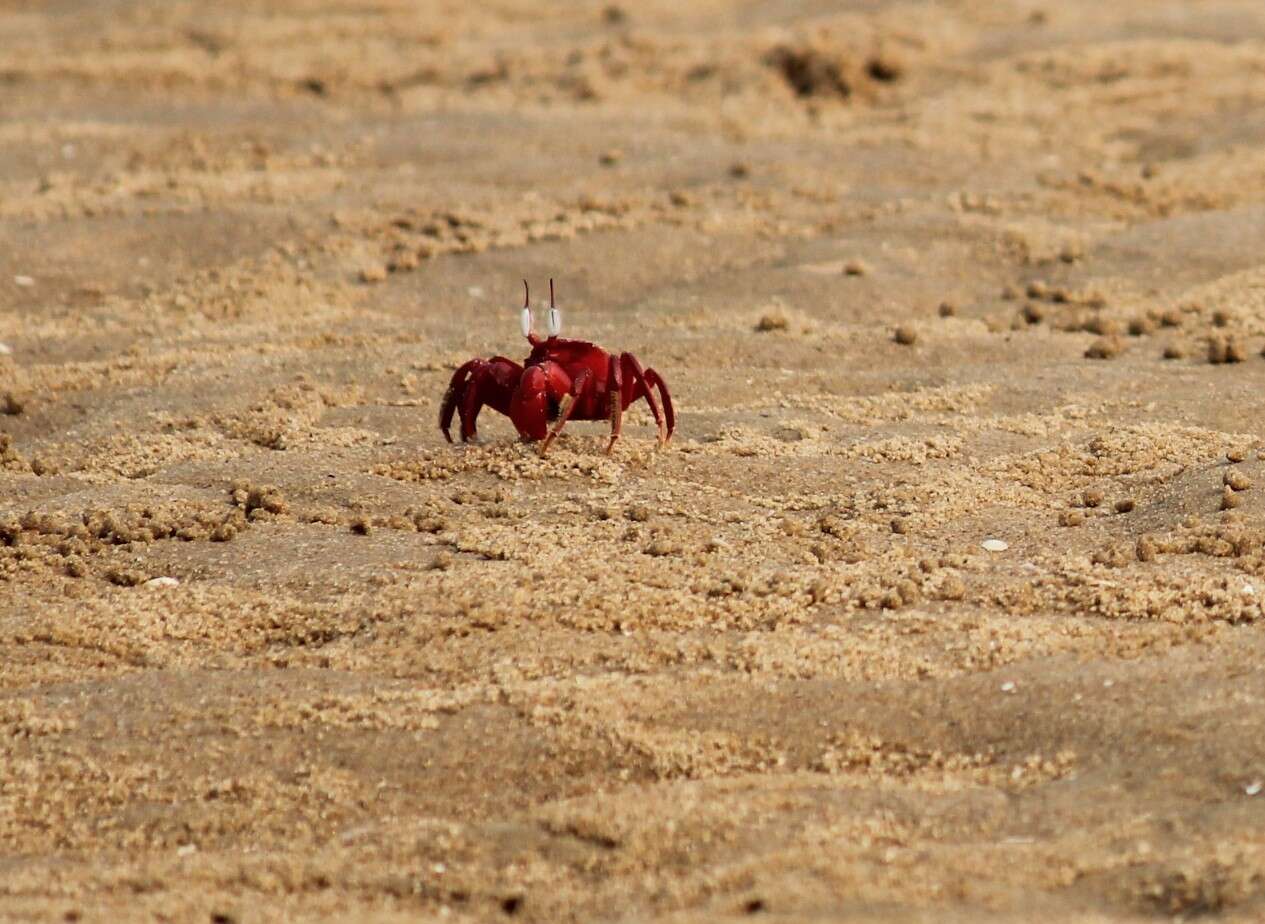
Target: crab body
x,y
560,380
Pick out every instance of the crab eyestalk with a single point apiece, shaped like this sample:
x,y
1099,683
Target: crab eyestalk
x,y
526,319
555,316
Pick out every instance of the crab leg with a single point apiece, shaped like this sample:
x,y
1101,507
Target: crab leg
x,y
453,396
615,388
653,378
477,383
635,377
491,383
472,403
578,387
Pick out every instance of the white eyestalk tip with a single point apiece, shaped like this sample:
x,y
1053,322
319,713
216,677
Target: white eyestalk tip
x,y
555,322
526,322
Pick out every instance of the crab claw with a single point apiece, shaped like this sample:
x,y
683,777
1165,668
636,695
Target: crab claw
x,y
529,407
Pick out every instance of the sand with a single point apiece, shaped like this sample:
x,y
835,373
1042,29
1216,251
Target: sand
x,y
943,604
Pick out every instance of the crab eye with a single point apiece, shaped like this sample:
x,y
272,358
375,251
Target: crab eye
x,y
555,322
526,322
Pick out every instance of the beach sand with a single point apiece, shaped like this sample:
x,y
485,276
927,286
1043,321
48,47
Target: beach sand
x,y
920,275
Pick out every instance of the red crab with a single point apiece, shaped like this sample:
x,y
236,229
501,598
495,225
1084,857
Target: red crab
x,y
561,380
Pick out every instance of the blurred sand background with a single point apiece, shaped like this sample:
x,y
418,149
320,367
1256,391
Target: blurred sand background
x,y
920,274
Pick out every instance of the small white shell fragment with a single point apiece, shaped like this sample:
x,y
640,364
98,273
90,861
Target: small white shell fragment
x,y
1008,686
185,850
162,582
995,545
1109,683
1249,590
24,281
1253,788
475,291
5,349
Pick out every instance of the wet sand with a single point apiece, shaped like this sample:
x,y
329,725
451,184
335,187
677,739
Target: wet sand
x,y
920,275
